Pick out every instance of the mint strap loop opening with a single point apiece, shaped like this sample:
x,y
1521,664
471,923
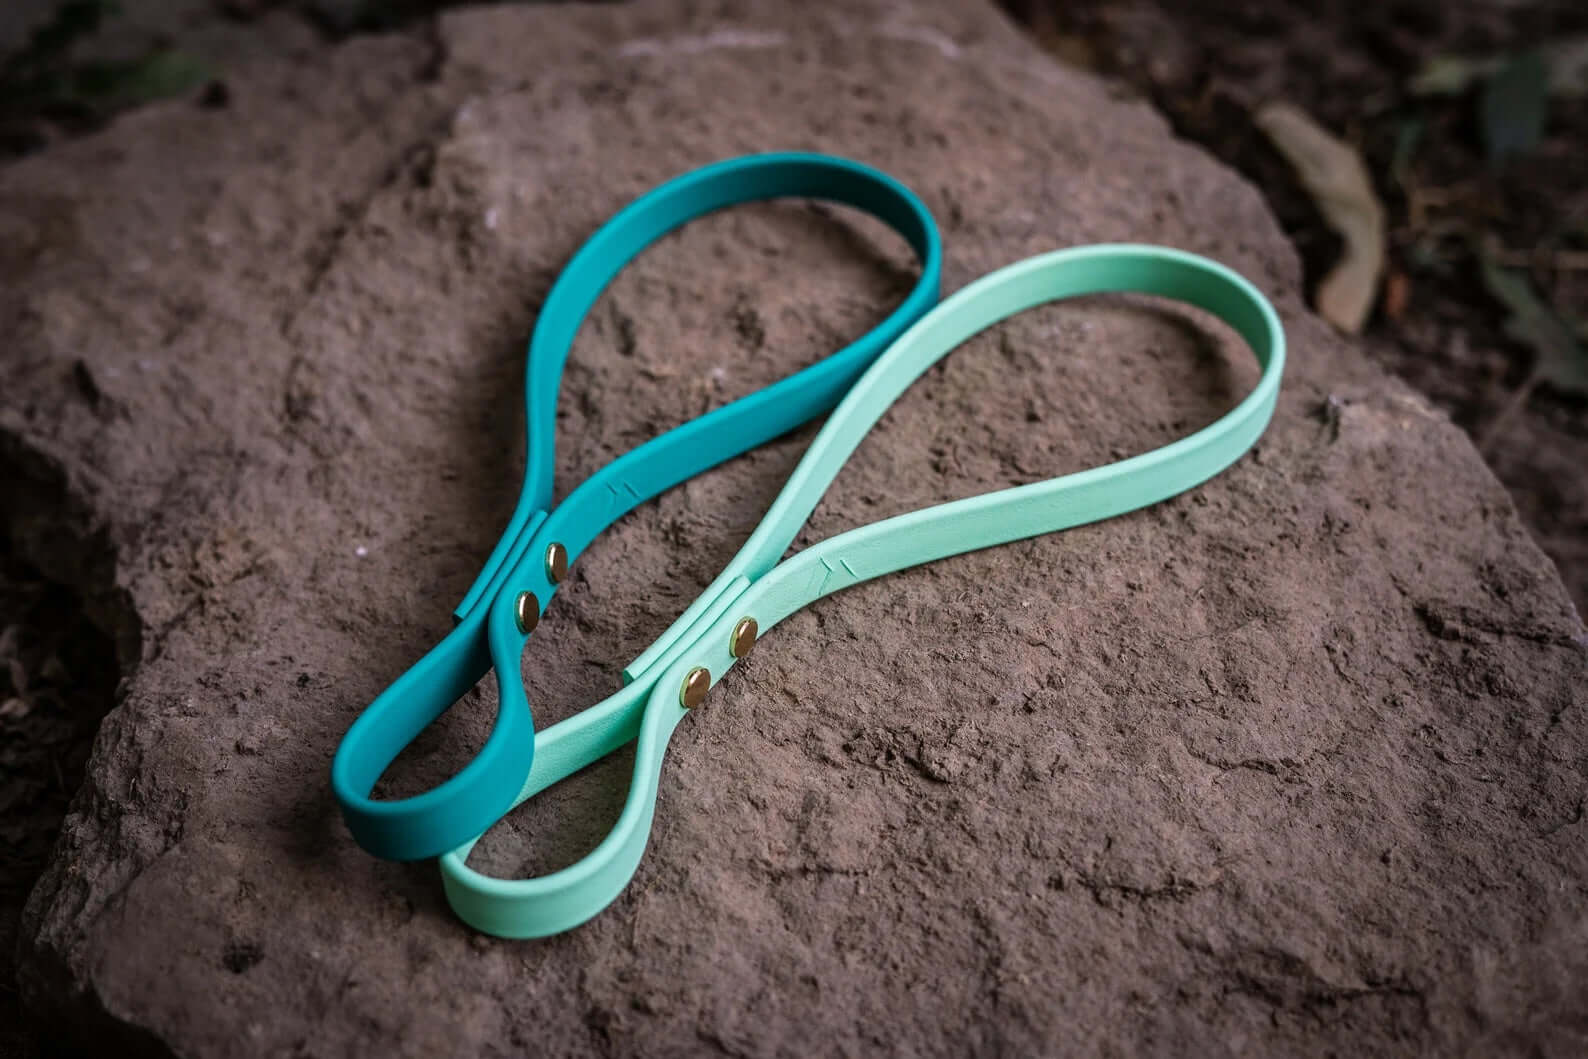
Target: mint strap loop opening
x,y
755,584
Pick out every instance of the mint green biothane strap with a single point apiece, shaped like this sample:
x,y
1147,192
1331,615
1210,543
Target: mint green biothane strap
x,y
702,644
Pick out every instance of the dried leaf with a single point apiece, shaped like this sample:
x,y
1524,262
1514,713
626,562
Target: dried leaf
x,y
16,676
1512,107
1333,174
1397,295
1559,359
1568,67
1451,75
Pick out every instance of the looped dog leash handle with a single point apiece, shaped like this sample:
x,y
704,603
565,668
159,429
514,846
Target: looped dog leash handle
x,y
754,588
518,580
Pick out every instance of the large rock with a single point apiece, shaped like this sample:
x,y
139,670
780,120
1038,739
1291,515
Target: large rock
x,y
1295,763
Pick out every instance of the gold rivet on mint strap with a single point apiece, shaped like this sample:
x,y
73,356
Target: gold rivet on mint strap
x,y
696,684
743,637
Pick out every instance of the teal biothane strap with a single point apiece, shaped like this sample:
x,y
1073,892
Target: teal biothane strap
x,y
755,591
516,585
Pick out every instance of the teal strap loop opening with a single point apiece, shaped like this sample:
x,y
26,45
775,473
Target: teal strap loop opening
x,y
755,585
487,635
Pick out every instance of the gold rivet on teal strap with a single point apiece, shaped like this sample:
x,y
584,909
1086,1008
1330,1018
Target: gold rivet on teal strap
x,y
693,693
743,637
527,610
556,563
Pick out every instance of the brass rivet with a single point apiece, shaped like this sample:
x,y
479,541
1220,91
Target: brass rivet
x,y
695,687
527,611
743,637
556,563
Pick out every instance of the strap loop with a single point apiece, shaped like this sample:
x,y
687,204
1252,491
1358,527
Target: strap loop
x,y
755,585
490,633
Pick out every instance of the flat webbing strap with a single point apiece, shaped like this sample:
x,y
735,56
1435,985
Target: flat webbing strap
x,y
528,562
710,636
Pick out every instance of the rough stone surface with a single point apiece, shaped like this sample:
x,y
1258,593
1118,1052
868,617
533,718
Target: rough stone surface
x,y
1295,763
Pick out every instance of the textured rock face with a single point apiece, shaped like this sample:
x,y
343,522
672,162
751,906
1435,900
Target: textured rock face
x,y
1293,763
